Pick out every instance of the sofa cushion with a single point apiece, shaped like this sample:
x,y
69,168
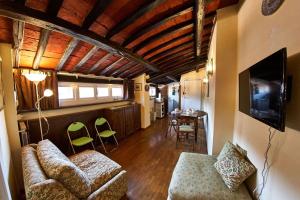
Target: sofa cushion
x,y
57,166
195,177
234,170
32,171
99,168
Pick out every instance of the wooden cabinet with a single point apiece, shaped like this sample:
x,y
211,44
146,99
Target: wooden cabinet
x,y
137,117
125,120
129,119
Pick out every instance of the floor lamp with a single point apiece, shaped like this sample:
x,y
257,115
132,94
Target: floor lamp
x,y
36,77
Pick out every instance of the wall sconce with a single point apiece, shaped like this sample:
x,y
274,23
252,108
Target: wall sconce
x,y
205,80
209,67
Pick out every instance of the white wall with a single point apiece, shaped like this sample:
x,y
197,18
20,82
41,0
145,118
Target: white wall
x,y
5,159
220,105
258,37
10,113
143,98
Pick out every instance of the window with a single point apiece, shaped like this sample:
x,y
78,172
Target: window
x,y
71,94
65,92
86,92
117,92
152,91
102,91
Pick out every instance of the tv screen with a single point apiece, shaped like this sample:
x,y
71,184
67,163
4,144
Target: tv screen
x,y
262,90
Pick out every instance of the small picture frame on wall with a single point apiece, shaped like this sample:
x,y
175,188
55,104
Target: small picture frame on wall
x,y
138,87
1,87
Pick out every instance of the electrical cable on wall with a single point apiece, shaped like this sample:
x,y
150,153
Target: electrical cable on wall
x,y
266,168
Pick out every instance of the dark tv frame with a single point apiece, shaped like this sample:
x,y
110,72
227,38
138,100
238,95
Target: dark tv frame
x,y
281,126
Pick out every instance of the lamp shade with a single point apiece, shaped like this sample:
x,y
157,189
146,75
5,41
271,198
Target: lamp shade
x,y
48,93
35,77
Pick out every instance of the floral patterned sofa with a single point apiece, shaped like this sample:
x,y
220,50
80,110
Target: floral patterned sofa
x,y
49,174
195,178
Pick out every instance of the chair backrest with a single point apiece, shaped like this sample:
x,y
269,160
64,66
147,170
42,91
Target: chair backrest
x,y
100,121
75,126
184,120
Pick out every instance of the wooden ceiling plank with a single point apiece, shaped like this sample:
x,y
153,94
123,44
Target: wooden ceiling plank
x,y
175,63
98,63
97,10
123,68
44,36
172,78
174,56
173,29
53,7
72,45
167,43
38,18
110,67
167,52
199,16
85,58
18,36
136,73
131,19
189,66
125,73
143,30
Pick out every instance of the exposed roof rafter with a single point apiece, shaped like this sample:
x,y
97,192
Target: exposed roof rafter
x,y
18,36
44,36
123,68
111,66
169,31
53,7
85,58
97,10
72,45
144,30
98,63
199,16
140,12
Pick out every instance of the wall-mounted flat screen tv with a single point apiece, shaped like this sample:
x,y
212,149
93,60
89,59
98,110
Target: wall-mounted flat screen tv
x,y
262,90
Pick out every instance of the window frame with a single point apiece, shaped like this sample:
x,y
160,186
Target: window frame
x,y
77,101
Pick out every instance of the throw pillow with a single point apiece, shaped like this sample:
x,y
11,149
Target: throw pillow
x,y
57,166
234,170
227,150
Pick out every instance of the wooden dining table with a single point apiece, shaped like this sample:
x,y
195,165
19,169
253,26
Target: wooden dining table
x,y
193,115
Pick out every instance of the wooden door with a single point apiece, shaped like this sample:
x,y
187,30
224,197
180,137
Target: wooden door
x,y
137,116
129,119
116,119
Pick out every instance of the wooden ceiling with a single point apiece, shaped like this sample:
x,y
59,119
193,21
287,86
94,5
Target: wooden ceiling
x,y
120,38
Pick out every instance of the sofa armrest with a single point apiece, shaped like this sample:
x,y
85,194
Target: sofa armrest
x,y
114,189
49,189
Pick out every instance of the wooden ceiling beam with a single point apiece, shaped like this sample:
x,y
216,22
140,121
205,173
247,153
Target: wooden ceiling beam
x,y
199,16
174,56
136,73
44,36
143,30
169,31
98,63
190,66
97,10
83,60
68,51
175,63
38,18
172,78
111,66
132,18
128,71
53,7
165,53
18,36
123,68
187,35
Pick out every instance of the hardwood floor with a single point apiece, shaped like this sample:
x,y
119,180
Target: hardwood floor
x,y
149,158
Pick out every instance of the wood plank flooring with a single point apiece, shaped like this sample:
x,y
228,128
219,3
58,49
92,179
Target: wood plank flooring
x,y
149,158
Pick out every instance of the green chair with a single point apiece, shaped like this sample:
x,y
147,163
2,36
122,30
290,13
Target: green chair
x,y
81,141
106,133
